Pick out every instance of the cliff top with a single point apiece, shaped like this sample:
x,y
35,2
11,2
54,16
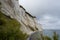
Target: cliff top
x,y
27,12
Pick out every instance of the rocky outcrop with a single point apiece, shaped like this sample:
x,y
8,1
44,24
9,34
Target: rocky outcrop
x,y
12,9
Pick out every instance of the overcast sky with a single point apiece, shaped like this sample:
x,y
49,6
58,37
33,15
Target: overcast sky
x,y
46,11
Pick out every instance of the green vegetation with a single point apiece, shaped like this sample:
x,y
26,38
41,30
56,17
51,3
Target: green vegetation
x,y
10,29
54,37
47,38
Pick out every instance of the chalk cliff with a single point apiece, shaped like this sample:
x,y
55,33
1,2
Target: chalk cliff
x,y
12,9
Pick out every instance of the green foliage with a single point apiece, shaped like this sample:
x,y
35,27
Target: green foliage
x,y
47,38
10,29
55,36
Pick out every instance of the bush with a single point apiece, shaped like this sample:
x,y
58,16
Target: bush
x,y
10,29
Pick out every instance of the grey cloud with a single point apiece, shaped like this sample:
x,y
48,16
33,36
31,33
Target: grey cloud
x,y
40,8
51,23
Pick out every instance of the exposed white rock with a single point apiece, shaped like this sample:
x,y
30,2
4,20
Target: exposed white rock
x,y
14,10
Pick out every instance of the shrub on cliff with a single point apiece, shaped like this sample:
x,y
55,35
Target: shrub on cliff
x,y
10,29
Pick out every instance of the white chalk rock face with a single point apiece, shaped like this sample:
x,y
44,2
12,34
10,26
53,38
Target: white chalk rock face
x,y
14,10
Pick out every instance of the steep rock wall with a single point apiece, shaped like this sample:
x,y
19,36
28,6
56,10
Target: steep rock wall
x,y
12,9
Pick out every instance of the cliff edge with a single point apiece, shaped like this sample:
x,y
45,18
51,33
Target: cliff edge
x,y
12,9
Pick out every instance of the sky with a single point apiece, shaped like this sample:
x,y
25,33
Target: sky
x,y
46,11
